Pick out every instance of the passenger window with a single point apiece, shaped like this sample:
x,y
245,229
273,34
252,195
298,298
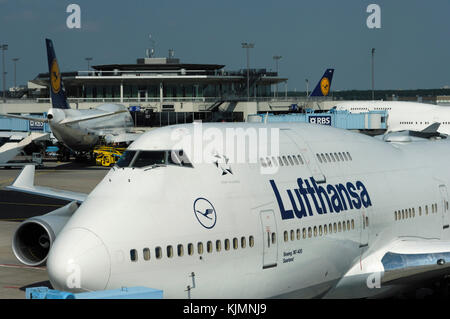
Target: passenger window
x,y
269,163
344,228
420,210
209,247
251,241
169,251
298,234
332,157
320,230
190,249
309,232
285,161
146,254
274,238
227,244
353,224
328,157
295,159
133,255
263,162
158,252
348,225
323,158
348,154
300,159
290,160
200,248
325,229
345,156
426,209
337,157
335,227
235,243
304,233
292,235
180,250
315,231
286,236
274,161
218,245
318,157
341,157
243,242
280,161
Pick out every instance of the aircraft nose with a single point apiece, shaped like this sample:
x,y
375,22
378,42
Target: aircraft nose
x,y
78,261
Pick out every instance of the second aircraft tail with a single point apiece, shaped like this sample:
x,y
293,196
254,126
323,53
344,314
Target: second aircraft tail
x,y
57,93
324,85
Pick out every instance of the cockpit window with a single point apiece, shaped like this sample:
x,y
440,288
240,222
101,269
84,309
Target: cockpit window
x,y
148,158
139,159
126,158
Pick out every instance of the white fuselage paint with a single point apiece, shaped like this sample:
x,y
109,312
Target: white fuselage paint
x,y
84,135
403,116
134,208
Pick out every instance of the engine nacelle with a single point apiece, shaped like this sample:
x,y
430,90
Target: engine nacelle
x,y
35,236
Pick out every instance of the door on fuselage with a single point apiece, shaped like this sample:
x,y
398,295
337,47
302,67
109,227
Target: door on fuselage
x,y
270,246
445,208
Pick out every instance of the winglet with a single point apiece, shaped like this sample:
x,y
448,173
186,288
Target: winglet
x,y
25,178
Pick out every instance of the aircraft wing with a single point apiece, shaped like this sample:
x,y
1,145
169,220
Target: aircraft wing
x,y
25,183
87,118
29,118
121,137
402,263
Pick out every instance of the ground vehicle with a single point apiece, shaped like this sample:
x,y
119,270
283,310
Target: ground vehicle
x,y
107,155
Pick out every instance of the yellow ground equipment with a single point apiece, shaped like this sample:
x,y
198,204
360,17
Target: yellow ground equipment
x,y
107,155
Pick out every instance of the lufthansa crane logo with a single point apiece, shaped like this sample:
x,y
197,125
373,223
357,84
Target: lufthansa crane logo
x,y
205,213
55,77
325,86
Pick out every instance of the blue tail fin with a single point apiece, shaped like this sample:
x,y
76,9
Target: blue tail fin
x,y
324,85
57,93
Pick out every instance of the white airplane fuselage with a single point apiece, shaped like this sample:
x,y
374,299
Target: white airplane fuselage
x,y
84,135
134,212
402,116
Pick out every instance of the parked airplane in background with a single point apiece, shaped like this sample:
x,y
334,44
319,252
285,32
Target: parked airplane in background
x,y
404,116
342,215
323,87
81,130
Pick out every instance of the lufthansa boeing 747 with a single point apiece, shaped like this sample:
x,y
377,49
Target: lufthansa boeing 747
x,y
324,213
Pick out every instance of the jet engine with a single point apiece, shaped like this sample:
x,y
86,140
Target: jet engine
x,y
34,237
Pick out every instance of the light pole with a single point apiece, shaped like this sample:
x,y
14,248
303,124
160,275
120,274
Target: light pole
x,y
4,47
307,87
276,58
15,61
248,46
373,76
88,60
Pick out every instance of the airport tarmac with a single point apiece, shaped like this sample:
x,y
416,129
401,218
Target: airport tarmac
x,y
15,207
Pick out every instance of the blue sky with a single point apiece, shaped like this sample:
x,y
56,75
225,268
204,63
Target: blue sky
x,y
412,45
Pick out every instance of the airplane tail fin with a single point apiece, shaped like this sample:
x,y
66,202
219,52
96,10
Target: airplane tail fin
x,y
324,85
57,92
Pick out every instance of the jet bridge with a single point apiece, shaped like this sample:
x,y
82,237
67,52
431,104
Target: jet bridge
x,y
372,120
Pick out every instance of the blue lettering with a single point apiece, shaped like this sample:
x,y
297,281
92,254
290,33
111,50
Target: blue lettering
x,y
338,198
285,214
